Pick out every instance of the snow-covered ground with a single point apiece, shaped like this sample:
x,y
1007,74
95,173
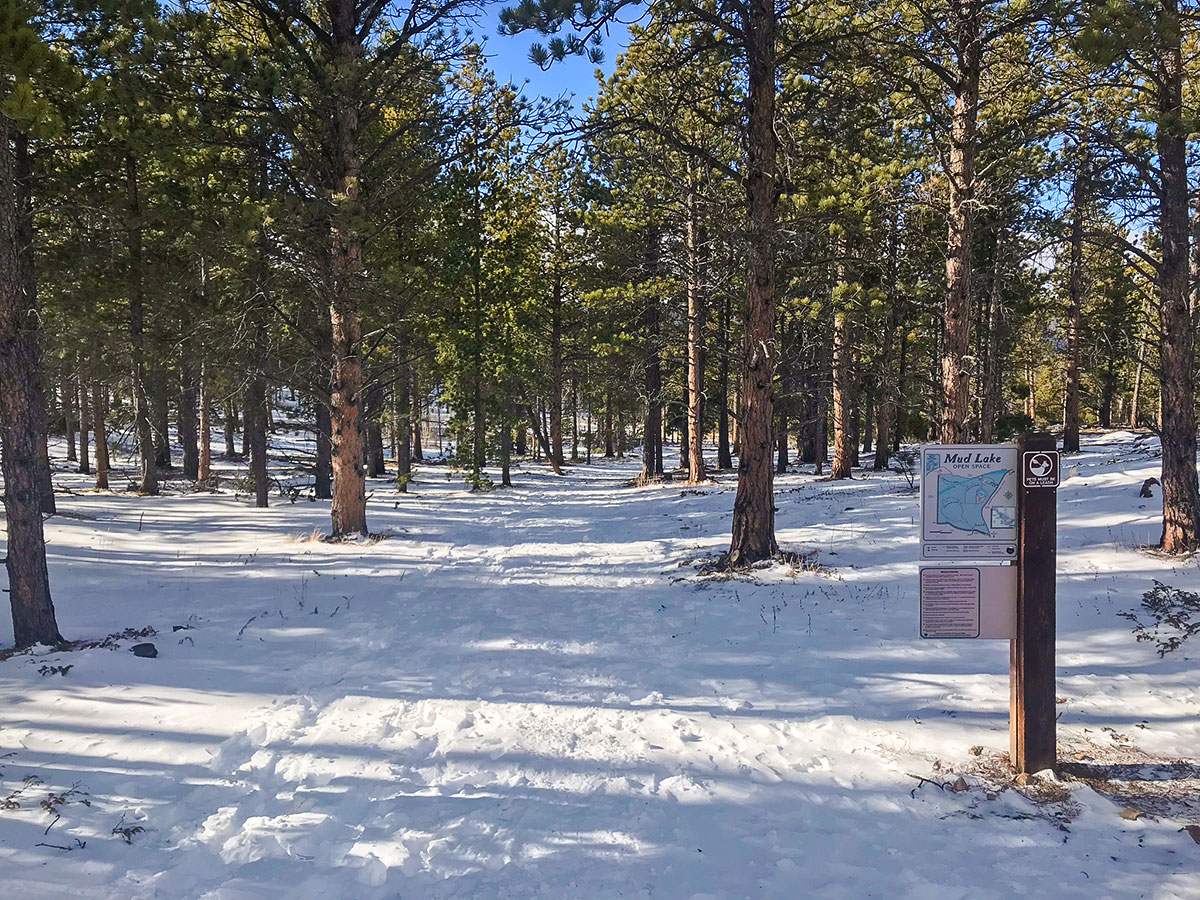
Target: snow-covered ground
x,y
534,693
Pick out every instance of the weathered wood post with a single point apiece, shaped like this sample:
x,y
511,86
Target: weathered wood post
x,y
1032,733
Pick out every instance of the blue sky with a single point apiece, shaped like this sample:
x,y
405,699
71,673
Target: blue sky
x,y
509,56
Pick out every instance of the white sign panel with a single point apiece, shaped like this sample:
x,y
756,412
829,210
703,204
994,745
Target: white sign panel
x,y
969,501
969,601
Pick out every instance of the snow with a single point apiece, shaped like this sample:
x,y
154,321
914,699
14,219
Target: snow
x,y
536,693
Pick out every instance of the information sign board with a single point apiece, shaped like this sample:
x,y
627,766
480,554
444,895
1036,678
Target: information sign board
x,y
969,502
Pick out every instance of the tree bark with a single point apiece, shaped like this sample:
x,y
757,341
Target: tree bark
x,y
1070,442
247,419
25,551
204,460
100,426
160,407
1139,371
348,511
697,302
574,419
24,233
374,417
843,391
652,366
189,433
69,421
506,450
137,328
956,375
404,415
255,424
415,414
609,446
540,435
1181,495
231,426
80,386
753,531
555,397
889,390
724,456
323,470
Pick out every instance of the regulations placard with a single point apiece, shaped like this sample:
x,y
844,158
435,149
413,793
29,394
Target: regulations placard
x,y
969,501
969,601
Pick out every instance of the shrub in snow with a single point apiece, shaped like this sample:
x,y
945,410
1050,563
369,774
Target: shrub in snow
x,y
1175,614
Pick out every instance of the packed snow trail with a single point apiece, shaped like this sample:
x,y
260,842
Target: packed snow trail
x,y
535,693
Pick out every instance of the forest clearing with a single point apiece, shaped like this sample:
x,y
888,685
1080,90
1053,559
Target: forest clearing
x,y
600,448
541,693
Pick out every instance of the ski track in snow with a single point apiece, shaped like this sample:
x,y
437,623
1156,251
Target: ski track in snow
x,y
524,694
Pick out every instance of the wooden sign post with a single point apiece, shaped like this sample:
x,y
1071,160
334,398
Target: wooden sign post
x,y
1032,716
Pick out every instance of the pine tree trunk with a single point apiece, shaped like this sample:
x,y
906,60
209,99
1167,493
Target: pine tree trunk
x,y
885,413
348,511
843,391
868,428
415,415
137,328
609,445
753,531
1074,306
901,382
506,450
555,397
1031,397
204,460
247,419
697,301
823,395
100,426
255,425
189,434
68,409
25,551
80,386
374,445
539,434
574,420
809,427
724,456
323,469
781,441
1181,495
956,375
161,408
45,472
652,368
403,398
24,232
1138,374
685,442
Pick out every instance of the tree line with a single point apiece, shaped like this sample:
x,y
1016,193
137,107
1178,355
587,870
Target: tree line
x,y
803,234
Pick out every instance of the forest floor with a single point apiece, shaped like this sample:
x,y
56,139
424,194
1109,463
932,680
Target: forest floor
x,y
541,692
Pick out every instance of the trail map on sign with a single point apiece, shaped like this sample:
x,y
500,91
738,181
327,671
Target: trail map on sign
x,y
962,501
968,502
